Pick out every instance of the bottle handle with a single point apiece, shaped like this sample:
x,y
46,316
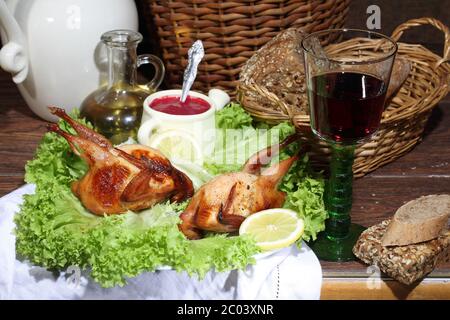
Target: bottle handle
x,y
145,131
160,70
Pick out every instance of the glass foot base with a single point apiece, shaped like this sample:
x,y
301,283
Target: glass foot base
x,y
332,249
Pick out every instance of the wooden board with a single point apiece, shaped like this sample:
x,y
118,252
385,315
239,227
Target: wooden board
x,y
385,289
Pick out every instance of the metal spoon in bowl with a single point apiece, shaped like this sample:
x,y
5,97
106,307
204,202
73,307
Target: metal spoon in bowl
x,y
195,55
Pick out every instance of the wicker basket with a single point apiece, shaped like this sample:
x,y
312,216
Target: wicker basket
x,y
231,32
403,120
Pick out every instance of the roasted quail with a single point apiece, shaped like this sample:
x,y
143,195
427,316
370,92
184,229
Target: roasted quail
x,y
129,177
222,204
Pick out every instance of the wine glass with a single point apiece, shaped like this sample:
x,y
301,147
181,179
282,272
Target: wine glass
x,y
347,76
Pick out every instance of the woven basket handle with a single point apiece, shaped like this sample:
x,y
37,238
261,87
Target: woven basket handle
x,y
398,32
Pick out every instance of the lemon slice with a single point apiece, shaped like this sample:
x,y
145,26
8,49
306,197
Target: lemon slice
x,y
274,228
178,144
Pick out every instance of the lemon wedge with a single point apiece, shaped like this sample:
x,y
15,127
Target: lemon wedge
x,y
274,228
178,144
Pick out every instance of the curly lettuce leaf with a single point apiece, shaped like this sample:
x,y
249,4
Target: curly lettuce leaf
x,y
233,116
233,147
304,194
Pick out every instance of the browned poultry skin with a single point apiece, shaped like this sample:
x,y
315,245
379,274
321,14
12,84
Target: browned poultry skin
x,y
129,177
222,204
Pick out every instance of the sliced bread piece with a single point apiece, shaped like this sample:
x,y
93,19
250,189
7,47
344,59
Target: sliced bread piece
x,y
419,220
406,264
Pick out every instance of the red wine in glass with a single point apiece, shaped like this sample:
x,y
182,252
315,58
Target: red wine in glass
x,y
346,106
346,93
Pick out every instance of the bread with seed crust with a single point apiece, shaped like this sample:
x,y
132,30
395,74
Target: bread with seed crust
x,y
406,264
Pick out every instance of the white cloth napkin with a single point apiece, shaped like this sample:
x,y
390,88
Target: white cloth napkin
x,y
290,273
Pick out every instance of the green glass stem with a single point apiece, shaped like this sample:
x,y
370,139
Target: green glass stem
x,y
337,241
338,196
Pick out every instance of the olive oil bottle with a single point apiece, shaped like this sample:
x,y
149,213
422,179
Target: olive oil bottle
x,y
115,109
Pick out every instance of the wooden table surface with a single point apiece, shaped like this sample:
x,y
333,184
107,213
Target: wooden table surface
x,y
425,170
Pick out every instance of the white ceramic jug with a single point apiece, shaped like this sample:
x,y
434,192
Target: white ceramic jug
x,y
52,47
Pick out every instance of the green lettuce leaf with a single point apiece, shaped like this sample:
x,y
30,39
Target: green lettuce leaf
x,y
233,116
304,194
233,147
